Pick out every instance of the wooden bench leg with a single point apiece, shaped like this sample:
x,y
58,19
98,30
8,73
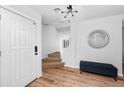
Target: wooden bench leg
x,y
115,78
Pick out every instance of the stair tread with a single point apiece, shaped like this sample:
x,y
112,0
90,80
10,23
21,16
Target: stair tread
x,y
55,56
53,63
51,58
55,53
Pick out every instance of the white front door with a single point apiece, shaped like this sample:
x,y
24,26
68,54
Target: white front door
x,y
18,43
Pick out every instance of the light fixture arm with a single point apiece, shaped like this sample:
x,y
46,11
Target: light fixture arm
x,y
69,11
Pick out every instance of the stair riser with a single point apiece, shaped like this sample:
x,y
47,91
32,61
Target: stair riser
x,y
53,63
50,66
54,56
51,60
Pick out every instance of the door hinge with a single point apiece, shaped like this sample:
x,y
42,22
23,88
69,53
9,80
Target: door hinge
x,y
0,53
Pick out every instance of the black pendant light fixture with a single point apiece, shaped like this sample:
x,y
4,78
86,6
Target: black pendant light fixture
x,y
67,12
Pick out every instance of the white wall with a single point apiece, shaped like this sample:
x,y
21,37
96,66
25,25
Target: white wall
x,y
67,54
112,53
123,44
50,42
65,34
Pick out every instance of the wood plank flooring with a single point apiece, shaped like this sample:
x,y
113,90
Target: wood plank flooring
x,y
123,68
69,77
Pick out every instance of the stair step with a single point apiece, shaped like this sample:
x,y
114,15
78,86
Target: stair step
x,y
52,59
47,65
52,63
55,54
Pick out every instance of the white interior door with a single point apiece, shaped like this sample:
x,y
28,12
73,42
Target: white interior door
x,y
0,45
18,41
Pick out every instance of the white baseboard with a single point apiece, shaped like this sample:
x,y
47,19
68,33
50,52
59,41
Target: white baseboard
x,y
70,66
120,74
40,75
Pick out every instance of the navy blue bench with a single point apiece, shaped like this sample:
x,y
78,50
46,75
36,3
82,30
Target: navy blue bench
x,y
99,68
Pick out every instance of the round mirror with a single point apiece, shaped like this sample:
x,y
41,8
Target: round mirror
x,y
98,39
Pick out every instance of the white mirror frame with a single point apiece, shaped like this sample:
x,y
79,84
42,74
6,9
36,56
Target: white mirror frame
x,y
105,42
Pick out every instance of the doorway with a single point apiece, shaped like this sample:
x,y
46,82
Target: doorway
x,y
65,45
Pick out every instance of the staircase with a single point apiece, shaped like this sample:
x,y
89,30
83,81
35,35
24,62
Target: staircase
x,y
52,61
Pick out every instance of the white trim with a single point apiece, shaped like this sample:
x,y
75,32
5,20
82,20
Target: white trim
x,y
40,75
120,74
16,11
18,14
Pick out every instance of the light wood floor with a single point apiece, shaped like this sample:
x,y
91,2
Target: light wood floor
x,y
67,77
123,68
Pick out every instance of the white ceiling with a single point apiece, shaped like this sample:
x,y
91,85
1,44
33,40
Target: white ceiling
x,y
85,12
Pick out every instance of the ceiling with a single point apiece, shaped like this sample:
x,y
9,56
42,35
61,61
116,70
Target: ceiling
x,y
85,12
